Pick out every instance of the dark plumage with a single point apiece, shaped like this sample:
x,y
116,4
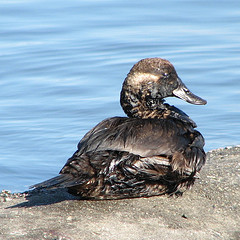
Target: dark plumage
x,y
153,151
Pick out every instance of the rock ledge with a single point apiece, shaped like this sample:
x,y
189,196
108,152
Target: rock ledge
x,y
210,210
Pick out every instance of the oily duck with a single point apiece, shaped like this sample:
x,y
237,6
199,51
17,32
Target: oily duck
x,y
153,151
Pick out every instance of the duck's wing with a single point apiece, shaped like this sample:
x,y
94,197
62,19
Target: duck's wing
x,y
144,137
179,142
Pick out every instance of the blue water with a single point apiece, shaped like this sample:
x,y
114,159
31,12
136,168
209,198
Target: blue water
x,y
63,63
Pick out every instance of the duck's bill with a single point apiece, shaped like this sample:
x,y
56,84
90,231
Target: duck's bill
x,y
185,94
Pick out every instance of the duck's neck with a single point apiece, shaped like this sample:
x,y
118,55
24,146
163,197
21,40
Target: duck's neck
x,y
145,107
149,108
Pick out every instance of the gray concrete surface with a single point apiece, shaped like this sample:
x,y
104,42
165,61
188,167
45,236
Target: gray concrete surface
x,y
210,210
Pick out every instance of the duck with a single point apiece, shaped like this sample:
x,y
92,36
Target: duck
x,y
154,150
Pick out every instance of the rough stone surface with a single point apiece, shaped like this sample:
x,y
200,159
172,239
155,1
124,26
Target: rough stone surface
x,y
210,210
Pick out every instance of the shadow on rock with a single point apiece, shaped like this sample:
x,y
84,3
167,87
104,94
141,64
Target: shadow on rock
x,y
45,197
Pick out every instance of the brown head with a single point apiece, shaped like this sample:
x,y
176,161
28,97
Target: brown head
x,y
150,81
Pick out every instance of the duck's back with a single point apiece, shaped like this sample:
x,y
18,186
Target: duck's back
x,y
129,157
144,137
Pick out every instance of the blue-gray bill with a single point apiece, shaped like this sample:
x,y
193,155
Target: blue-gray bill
x,y
185,94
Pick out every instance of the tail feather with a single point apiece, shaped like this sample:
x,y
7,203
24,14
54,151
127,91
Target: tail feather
x,y
60,181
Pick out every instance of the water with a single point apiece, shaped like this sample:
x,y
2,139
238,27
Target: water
x,y
63,63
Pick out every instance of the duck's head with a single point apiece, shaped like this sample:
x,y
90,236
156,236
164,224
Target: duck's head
x,y
148,83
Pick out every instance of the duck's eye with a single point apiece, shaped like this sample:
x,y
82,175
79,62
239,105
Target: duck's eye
x,y
166,75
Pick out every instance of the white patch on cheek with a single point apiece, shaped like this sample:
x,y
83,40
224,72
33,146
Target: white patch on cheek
x,y
138,78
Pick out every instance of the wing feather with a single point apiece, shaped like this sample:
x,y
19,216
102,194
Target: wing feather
x,y
144,137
